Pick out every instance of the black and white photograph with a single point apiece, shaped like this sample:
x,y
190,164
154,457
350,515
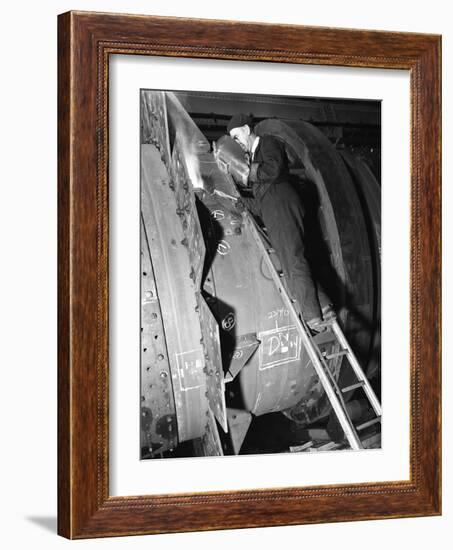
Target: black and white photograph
x,y
227,275
260,274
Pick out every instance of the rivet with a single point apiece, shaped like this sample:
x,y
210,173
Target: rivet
x,y
160,357
163,374
148,294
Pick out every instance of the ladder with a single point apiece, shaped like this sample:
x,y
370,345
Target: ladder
x,y
320,361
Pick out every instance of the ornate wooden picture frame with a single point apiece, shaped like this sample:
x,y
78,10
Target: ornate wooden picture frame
x,y
85,41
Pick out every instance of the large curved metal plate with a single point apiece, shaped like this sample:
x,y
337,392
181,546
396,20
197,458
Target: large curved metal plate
x,y
177,294
158,414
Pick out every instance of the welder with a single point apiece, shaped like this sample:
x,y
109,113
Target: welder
x,y
276,202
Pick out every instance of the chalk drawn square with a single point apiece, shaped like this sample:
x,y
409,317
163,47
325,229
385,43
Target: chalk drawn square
x,y
189,363
278,346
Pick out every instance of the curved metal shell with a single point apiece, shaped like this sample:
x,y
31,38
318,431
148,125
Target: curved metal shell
x,y
279,375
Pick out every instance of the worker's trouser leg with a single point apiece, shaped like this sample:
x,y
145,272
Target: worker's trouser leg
x,y
283,216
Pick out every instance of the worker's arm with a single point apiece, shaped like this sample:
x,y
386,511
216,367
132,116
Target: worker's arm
x,y
273,162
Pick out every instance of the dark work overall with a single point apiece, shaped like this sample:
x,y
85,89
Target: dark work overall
x,y
279,206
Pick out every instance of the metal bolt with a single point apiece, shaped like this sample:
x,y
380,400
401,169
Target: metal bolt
x,y
163,374
148,294
160,357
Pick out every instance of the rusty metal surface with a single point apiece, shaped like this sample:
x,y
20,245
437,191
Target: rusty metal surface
x,y
185,214
158,414
176,244
154,126
177,293
213,364
209,444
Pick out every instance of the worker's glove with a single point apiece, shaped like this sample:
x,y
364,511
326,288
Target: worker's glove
x,y
328,313
315,325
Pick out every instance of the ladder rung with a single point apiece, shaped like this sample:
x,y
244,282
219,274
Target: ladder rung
x,y
353,386
369,423
327,323
327,446
337,354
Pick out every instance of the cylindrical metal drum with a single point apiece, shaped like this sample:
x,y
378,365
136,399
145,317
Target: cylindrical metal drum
x,y
279,375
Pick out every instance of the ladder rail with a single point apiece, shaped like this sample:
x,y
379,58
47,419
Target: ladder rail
x,y
374,401
336,401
